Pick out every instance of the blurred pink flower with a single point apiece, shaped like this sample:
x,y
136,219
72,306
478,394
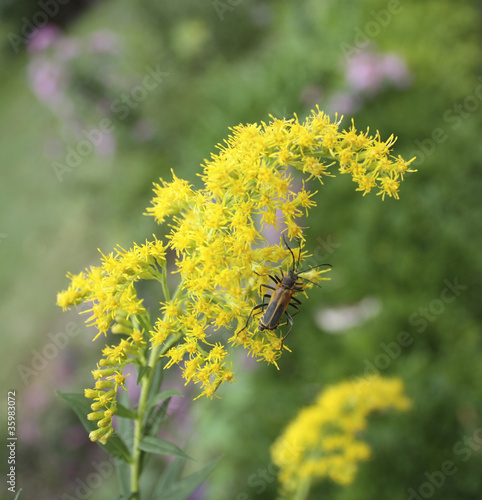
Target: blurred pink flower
x,y
42,38
367,72
395,69
30,432
344,103
107,145
46,80
363,72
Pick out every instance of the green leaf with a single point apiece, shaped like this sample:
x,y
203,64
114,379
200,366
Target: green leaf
x,y
157,377
161,396
17,496
185,486
155,414
170,475
123,477
125,412
154,418
160,446
81,406
142,372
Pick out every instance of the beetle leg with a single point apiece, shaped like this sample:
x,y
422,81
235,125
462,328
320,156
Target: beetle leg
x,y
297,310
275,278
266,286
297,301
266,296
250,315
291,322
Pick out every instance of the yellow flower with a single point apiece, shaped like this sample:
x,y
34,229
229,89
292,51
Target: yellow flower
x,y
324,440
171,198
222,256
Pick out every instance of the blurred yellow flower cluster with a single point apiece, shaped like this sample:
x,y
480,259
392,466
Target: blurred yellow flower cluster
x,y
324,440
217,233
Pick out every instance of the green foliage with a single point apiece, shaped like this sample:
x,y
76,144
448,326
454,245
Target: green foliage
x,y
81,405
260,59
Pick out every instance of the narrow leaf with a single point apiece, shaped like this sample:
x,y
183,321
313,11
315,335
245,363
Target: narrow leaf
x,y
123,476
157,377
160,446
154,418
125,412
142,372
170,475
183,488
161,396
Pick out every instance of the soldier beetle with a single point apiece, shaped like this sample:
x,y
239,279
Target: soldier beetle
x,y
282,297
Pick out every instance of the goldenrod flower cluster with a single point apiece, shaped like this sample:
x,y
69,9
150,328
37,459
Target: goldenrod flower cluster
x,y
218,236
110,292
217,231
324,440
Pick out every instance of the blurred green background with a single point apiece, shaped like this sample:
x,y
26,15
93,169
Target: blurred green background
x,y
84,133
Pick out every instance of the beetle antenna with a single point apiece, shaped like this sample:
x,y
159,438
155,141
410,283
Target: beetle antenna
x,y
291,252
309,269
314,267
299,254
309,281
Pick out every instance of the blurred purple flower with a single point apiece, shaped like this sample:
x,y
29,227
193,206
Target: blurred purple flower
x,y
367,72
395,70
75,436
46,80
42,38
30,432
133,389
344,103
35,400
363,72
107,145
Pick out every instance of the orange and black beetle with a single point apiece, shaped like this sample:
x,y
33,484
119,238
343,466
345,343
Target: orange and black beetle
x,y
282,297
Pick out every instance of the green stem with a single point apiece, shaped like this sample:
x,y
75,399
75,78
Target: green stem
x,y
142,408
303,489
155,354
